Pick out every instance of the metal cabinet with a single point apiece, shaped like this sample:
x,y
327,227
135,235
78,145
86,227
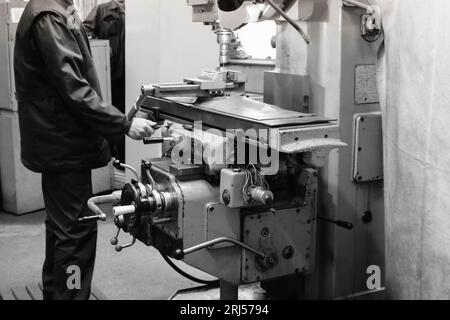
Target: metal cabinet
x,y
10,13
102,179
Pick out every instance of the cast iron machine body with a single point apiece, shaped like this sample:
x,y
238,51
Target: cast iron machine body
x,y
234,193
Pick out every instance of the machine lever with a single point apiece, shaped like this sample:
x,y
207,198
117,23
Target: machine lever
x,y
180,254
162,221
342,224
158,140
137,107
115,239
124,210
92,218
119,247
148,166
118,165
93,205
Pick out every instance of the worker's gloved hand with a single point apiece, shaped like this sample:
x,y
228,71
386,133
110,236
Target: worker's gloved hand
x,y
141,128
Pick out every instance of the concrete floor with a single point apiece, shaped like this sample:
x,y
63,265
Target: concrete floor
x,y
136,273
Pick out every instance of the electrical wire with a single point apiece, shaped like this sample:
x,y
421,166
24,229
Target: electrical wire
x,y
253,179
185,274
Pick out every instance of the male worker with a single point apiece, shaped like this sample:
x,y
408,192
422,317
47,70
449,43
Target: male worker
x,y
64,126
107,21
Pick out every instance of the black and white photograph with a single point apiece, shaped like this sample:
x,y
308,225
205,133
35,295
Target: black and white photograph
x,y
222,155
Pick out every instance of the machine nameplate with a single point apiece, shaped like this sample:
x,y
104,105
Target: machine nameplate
x,y
366,88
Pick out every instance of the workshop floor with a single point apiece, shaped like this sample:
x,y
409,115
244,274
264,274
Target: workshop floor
x,y
137,273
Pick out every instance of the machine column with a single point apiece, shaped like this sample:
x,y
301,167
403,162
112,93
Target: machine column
x,y
228,291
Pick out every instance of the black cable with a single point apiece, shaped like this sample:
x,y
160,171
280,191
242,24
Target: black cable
x,y
186,275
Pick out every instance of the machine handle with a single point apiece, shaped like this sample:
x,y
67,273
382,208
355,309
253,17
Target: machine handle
x,y
115,239
118,165
180,254
93,205
92,219
342,224
157,140
123,210
119,247
136,107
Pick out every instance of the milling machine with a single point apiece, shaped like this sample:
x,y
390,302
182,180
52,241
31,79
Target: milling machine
x,y
235,193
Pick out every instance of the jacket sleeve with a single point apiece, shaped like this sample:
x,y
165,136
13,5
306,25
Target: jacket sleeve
x,y
65,64
90,23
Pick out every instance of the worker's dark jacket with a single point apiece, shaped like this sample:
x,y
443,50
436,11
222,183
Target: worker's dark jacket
x,y
64,122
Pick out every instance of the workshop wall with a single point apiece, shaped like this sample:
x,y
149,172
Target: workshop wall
x,y
414,79
163,45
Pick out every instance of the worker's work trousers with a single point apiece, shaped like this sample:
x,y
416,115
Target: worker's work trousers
x,y
70,246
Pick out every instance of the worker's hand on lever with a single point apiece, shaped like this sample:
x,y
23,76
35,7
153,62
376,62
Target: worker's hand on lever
x,y
141,128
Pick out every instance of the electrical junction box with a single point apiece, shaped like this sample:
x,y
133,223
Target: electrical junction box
x,y
368,148
232,182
